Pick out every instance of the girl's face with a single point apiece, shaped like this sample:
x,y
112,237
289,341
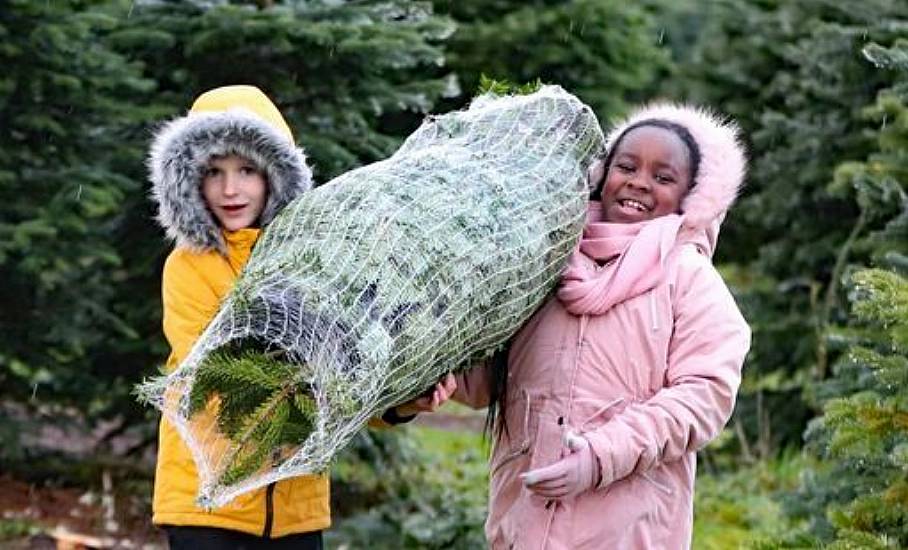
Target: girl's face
x,y
648,177
235,191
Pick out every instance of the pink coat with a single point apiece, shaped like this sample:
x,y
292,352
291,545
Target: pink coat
x,y
648,383
646,401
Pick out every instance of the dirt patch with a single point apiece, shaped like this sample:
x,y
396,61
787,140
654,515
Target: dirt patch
x,y
37,517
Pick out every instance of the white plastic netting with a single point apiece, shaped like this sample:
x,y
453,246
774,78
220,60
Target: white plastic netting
x,y
362,293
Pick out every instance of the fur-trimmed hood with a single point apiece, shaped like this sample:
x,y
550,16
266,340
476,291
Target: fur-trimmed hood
x,y
238,120
721,170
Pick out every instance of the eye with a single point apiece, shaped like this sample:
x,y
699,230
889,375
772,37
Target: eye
x,y
665,178
249,170
625,167
211,171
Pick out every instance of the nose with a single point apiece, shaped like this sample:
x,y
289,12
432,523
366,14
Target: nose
x,y
231,184
640,181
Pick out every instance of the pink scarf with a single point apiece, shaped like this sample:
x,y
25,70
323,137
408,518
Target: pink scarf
x,y
641,250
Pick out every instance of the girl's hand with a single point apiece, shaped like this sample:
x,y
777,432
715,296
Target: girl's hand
x,y
570,476
430,402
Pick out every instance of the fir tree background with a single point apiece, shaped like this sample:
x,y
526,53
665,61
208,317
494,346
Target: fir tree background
x,y
816,251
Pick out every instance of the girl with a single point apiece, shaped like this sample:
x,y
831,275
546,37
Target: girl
x,y
615,383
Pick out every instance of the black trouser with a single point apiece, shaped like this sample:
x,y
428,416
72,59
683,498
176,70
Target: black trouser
x,y
210,538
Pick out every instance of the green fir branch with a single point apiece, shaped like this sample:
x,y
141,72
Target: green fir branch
x,y
262,406
259,441
503,87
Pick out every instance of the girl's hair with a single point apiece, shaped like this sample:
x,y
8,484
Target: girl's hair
x,y
498,390
693,150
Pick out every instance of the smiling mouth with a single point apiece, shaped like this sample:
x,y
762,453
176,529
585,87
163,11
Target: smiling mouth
x,y
636,205
234,207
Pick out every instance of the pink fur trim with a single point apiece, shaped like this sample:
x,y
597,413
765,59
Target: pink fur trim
x,y
722,160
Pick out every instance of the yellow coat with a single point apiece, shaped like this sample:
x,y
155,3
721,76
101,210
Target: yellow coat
x,y
194,283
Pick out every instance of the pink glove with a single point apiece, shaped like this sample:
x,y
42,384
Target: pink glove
x,y
570,476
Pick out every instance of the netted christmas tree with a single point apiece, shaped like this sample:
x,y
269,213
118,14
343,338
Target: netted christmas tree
x,y
363,292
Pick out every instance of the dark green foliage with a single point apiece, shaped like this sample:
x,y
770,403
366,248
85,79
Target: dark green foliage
x,y
421,489
71,327
854,494
802,63
12,528
259,406
796,76
605,52
350,77
858,489
82,86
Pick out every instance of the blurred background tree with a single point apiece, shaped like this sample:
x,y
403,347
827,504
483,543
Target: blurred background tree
x,y
607,53
71,329
794,75
84,85
854,493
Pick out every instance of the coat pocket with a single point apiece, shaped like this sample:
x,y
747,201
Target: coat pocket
x,y
522,421
591,414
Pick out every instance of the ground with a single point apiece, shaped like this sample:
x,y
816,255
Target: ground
x,y
38,516
35,516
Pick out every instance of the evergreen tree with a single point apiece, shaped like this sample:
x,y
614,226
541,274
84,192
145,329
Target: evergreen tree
x,y
794,74
859,488
83,82
856,493
351,77
70,108
606,52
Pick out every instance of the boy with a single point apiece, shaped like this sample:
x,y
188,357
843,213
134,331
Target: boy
x,y
219,174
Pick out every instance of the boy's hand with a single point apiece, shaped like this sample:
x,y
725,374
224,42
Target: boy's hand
x,y
431,400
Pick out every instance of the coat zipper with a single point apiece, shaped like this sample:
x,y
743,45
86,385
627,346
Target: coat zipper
x,y
269,510
552,505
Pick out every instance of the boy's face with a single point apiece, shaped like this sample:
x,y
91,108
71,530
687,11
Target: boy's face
x,y
648,177
235,191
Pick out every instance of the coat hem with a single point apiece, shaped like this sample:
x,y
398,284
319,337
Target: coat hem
x,y
205,519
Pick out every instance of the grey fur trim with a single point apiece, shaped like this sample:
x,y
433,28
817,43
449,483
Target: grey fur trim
x,y
179,155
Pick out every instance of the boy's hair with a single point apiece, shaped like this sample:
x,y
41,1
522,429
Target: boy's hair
x,y
232,120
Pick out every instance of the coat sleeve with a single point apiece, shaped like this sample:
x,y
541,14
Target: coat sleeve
x,y
709,342
473,386
189,303
472,390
